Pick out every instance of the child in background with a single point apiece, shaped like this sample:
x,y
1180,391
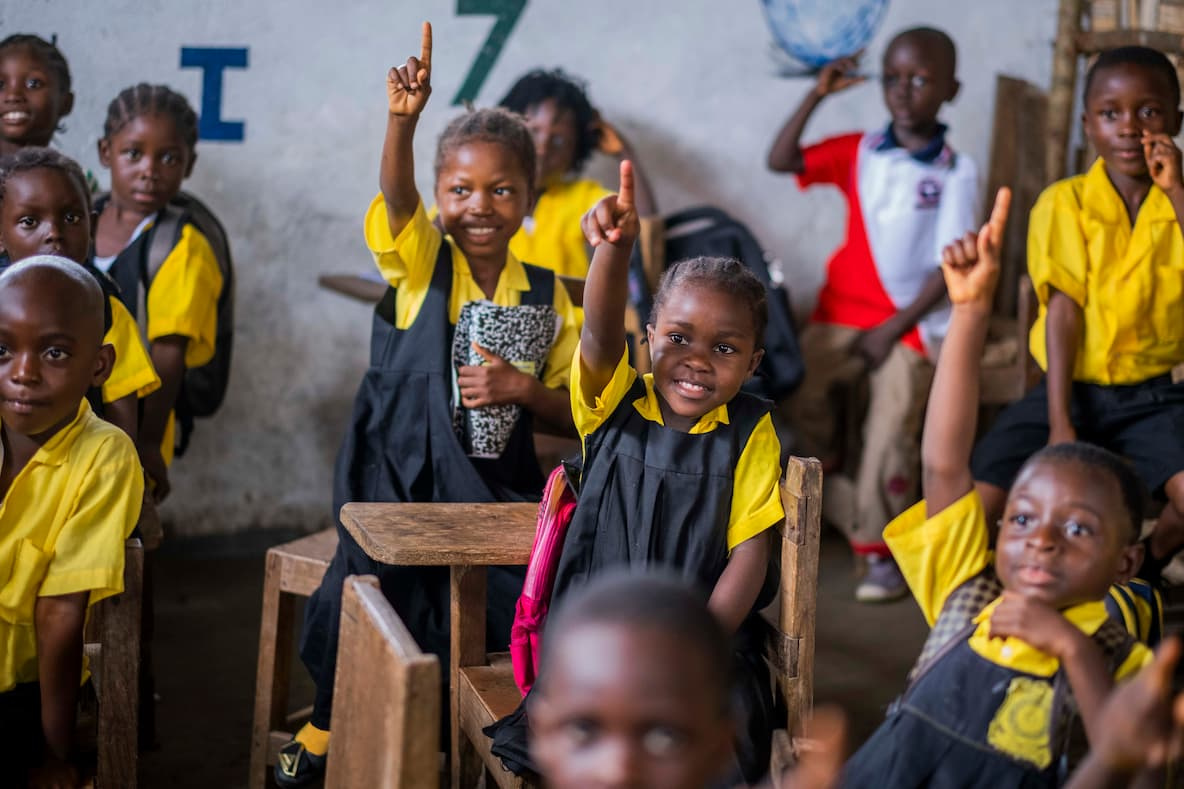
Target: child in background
x,y
45,209
566,129
402,445
1013,634
71,487
34,92
1105,253
148,144
681,469
879,315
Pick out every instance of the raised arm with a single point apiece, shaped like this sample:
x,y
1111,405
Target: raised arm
x,y
407,90
971,268
786,154
610,227
1062,335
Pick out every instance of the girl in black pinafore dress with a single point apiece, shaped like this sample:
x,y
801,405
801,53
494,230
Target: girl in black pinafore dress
x,y
402,444
681,470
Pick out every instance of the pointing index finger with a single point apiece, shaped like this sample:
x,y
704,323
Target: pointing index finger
x,y
625,194
425,47
998,220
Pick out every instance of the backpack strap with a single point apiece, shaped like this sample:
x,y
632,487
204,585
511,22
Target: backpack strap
x,y
542,286
166,232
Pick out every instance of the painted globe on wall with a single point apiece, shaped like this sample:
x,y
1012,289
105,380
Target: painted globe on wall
x,y
815,32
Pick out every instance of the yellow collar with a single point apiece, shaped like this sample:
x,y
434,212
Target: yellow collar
x,y
1100,199
55,451
1021,656
513,276
648,407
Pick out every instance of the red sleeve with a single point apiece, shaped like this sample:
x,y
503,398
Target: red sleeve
x,y
830,161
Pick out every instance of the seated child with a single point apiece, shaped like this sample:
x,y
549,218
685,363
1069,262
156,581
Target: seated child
x,y
681,469
148,144
566,129
880,314
634,688
1105,253
403,444
71,487
45,210
1019,636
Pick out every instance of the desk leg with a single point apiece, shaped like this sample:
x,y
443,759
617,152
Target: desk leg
x,y
467,594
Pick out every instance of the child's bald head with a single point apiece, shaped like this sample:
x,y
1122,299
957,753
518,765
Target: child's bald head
x,y
59,285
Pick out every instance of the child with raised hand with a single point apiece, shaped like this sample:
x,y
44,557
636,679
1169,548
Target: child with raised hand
x,y
880,314
402,445
45,209
1014,637
681,469
1105,252
71,488
149,145
35,86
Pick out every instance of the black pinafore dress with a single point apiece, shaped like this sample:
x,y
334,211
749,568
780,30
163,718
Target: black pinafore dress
x,y
656,498
401,446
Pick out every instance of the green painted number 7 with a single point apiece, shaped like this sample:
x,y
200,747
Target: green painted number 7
x,y
507,13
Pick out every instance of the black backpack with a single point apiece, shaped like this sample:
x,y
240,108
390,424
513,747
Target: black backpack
x,y
203,388
706,230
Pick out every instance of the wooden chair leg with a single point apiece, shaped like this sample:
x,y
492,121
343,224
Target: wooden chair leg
x,y
273,671
467,595
118,745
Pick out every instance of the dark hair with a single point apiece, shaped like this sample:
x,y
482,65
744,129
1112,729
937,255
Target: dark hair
x,y
1144,57
36,158
46,51
537,86
650,601
145,99
939,40
494,125
726,274
1134,494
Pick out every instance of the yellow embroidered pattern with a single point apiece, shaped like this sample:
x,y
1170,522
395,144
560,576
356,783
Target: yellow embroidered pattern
x,y
1020,727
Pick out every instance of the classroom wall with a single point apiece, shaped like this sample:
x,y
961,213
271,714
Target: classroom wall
x,y
691,83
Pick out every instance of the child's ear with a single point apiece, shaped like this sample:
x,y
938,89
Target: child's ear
x,y
104,363
1131,561
67,105
954,88
104,152
649,335
1175,130
192,161
755,361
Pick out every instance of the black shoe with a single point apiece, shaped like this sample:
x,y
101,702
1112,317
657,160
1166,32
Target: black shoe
x,y
295,766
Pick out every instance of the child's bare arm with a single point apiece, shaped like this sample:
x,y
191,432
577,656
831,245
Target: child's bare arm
x,y
1062,335
876,343
610,227
407,89
786,154
168,357
736,590
971,268
58,621
124,413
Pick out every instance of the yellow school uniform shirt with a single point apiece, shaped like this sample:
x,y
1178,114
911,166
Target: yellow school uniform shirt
x,y
756,483
1128,280
133,372
407,263
551,236
939,554
63,523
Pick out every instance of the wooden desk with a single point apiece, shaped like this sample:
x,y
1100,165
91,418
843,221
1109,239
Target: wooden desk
x,y
466,535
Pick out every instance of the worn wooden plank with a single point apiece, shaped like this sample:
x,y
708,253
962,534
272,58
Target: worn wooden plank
x,y
305,560
443,534
386,698
1061,93
467,647
802,496
119,707
1091,42
485,694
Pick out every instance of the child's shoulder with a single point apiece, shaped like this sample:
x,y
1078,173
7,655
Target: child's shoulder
x,y
97,442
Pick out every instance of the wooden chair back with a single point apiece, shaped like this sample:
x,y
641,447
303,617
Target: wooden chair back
x,y
386,698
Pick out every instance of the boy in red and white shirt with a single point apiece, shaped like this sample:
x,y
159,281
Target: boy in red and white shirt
x,y
882,313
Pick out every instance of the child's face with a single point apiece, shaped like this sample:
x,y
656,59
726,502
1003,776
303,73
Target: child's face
x,y
50,354
1124,101
44,213
483,196
1065,534
554,131
917,80
626,706
148,159
703,349
30,102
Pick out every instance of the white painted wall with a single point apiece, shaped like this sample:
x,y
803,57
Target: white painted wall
x,y
690,82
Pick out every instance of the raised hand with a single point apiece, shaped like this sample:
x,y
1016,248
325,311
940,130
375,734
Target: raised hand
x,y
971,264
1144,723
838,75
614,218
1163,161
408,86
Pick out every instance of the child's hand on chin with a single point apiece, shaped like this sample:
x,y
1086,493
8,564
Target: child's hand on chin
x,y
971,264
1163,161
1034,622
408,86
614,219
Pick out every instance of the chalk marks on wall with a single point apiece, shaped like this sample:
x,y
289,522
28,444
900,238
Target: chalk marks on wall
x,y
811,33
507,13
213,61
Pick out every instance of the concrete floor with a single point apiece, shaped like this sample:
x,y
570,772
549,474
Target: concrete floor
x,y
208,595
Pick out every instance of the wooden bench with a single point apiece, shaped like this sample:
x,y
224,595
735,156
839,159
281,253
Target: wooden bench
x,y
293,569
386,698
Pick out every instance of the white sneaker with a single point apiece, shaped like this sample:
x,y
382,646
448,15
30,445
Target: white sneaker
x,y
883,582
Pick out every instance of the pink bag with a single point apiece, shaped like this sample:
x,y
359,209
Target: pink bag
x,y
555,514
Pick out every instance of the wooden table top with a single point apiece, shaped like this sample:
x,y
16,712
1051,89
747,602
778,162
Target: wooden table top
x,y
443,534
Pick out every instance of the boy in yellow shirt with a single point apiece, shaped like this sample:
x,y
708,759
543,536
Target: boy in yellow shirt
x,y
71,488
